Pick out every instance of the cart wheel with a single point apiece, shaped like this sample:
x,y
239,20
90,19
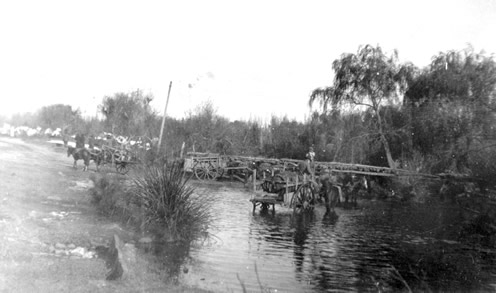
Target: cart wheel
x,y
213,172
122,167
206,171
303,199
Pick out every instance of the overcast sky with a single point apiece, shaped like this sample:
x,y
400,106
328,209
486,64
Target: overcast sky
x,y
251,59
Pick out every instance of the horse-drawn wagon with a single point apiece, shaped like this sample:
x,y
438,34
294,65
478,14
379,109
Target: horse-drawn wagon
x,y
120,158
211,166
301,187
297,191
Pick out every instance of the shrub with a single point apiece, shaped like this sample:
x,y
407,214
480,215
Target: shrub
x,y
105,193
414,186
111,197
168,201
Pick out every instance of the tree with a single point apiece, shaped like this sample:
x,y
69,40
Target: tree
x,y
58,115
129,114
368,79
452,105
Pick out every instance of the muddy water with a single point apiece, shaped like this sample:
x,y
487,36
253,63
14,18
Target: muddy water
x,y
380,246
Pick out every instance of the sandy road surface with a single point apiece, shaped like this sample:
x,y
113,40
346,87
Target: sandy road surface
x,y
45,204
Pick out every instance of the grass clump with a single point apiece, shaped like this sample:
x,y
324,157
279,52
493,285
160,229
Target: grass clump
x,y
105,193
112,197
168,202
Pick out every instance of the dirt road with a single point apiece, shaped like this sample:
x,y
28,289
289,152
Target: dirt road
x,y
48,228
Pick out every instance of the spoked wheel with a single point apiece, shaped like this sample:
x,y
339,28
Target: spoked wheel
x,y
303,199
206,171
122,167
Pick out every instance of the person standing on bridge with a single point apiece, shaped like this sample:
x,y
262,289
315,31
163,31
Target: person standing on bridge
x,y
310,160
310,155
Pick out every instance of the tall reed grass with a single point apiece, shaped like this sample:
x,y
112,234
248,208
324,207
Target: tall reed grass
x,y
168,201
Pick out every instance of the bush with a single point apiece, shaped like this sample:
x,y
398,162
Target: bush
x,y
105,193
412,186
111,197
169,202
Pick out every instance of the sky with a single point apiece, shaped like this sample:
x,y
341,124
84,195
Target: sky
x,y
250,59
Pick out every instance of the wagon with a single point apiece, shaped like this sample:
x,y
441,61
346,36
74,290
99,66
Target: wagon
x,y
299,194
211,166
121,159
208,166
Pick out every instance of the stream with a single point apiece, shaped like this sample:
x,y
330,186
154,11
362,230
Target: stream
x,y
380,246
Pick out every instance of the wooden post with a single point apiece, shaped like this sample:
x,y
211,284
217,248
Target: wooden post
x,y
286,195
182,149
163,118
254,180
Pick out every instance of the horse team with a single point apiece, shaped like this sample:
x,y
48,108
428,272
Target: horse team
x,y
334,187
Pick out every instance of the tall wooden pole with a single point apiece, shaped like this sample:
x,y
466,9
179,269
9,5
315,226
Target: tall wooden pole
x,y
163,119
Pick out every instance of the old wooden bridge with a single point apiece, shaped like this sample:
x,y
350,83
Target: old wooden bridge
x,y
277,180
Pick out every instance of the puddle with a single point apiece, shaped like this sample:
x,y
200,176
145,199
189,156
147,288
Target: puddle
x,y
60,215
82,185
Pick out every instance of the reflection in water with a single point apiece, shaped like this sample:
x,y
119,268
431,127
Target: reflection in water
x,y
351,250
169,258
302,224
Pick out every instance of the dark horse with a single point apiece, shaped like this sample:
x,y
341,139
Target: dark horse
x,y
353,185
85,155
330,190
326,183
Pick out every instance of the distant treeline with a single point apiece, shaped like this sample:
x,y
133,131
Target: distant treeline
x,y
376,111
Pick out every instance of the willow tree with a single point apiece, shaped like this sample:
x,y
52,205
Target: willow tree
x,y
369,79
452,104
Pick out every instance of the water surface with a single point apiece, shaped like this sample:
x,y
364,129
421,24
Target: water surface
x,y
378,246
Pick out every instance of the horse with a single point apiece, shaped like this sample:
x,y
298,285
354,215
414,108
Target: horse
x,y
330,190
79,154
85,155
353,184
305,167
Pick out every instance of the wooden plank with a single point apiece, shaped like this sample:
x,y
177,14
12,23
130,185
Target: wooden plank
x,y
365,173
199,154
268,199
236,168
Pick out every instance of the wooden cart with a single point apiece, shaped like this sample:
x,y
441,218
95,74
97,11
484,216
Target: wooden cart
x,y
121,159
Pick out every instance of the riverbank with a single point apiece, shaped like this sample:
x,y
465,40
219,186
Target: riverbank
x,y
51,235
